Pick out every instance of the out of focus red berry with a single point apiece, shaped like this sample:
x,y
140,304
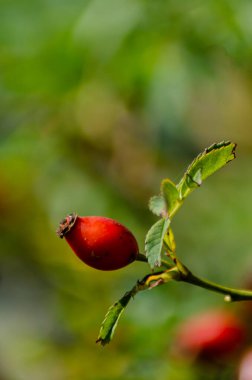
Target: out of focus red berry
x,y
212,335
101,243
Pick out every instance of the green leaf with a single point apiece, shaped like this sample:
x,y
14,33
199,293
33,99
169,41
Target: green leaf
x,y
163,205
170,194
157,205
207,162
154,241
111,319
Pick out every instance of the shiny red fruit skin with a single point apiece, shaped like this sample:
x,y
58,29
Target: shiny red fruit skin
x,y
102,243
212,335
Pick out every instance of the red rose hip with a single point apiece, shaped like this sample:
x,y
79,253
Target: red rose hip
x,y
212,335
102,243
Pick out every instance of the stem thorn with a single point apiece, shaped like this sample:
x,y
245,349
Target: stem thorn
x,y
228,298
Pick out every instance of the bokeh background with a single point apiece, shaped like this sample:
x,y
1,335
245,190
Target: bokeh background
x,y
100,100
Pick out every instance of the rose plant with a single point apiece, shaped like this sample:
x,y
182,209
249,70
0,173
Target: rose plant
x,y
105,244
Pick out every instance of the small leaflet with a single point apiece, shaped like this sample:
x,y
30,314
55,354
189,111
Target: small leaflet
x,y
207,163
157,205
111,319
154,241
170,194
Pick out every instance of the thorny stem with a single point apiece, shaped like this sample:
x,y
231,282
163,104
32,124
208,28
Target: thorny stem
x,y
185,275
178,272
151,280
231,294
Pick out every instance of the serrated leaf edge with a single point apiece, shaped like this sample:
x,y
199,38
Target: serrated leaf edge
x,y
157,240
123,302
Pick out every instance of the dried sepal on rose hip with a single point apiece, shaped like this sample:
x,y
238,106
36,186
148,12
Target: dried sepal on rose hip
x,y
102,243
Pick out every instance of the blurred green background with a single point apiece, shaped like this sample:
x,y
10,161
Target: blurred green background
x,y
100,100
